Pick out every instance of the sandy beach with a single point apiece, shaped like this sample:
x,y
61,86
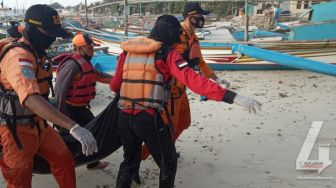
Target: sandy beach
x,y
226,147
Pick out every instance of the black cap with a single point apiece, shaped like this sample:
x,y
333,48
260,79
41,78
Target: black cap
x,y
47,18
194,8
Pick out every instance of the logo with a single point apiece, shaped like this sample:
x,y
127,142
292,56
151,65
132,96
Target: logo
x,y
303,163
35,22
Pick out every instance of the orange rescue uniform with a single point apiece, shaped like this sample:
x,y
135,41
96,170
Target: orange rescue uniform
x,y
18,68
180,114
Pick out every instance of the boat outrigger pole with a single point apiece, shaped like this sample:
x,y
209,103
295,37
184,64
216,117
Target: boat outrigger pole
x,y
285,59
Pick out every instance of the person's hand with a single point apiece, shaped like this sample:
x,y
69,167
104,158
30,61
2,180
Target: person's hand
x,y
224,82
248,103
85,137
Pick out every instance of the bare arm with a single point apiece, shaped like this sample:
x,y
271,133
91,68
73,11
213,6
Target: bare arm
x,y
103,77
46,111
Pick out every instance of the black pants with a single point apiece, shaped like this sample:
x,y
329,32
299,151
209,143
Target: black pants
x,y
135,129
81,115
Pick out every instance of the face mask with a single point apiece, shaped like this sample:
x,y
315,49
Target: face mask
x,y
197,22
38,40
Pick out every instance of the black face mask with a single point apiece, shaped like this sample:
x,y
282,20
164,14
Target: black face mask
x,y
38,40
197,22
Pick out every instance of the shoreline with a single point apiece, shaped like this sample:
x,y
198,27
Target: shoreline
x,y
225,146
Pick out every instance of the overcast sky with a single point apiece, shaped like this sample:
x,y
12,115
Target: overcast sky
x,y
27,3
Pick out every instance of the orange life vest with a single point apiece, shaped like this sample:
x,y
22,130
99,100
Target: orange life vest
x,y
143,86
81,91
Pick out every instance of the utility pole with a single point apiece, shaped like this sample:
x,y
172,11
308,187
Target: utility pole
x,y
86,14
246,22
140,12
126,18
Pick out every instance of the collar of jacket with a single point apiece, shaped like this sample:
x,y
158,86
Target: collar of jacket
x,y
186,31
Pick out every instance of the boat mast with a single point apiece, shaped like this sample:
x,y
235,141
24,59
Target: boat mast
x,y
126,18
86,14
246,22
4,9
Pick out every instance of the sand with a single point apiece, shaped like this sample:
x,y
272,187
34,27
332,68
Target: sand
x,y
228,147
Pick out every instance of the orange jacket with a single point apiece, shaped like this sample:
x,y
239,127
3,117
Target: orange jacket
x,y
18,73
190,49
190,41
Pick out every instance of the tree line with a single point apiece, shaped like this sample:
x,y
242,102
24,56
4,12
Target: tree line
x,y
220,9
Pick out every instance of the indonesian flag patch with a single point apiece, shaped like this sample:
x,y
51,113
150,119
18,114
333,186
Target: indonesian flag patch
x,y
181,64
27,69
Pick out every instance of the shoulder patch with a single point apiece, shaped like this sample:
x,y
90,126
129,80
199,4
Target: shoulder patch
x,y
27,72
25,62
181,64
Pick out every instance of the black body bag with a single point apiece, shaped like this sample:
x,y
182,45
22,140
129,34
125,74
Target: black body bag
x,y
104,128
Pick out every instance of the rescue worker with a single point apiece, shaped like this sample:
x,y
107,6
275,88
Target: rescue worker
x,y
190,50
44,78
142,79
75,84
24,131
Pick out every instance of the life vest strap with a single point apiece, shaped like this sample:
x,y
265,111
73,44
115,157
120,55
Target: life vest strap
x,y
83,95
84,86
143,82
136,101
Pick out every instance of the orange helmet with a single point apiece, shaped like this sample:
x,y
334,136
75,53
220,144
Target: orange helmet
x,y
82,40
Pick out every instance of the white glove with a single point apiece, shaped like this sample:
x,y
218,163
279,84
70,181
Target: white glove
x,y
248,102
222,81
85,137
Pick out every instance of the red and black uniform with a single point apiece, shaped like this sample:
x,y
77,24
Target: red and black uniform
x,y
141,124
175,66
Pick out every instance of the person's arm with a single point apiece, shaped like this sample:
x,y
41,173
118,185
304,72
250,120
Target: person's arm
x,y
46,111
102,77
178,68
208,72
20,74
115,83
205,69
68,71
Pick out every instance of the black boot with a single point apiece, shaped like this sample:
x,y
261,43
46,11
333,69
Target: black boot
x,y
136,177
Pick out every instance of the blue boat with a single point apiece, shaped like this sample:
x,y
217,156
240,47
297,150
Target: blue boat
x,y
239,35
104,62
321,25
